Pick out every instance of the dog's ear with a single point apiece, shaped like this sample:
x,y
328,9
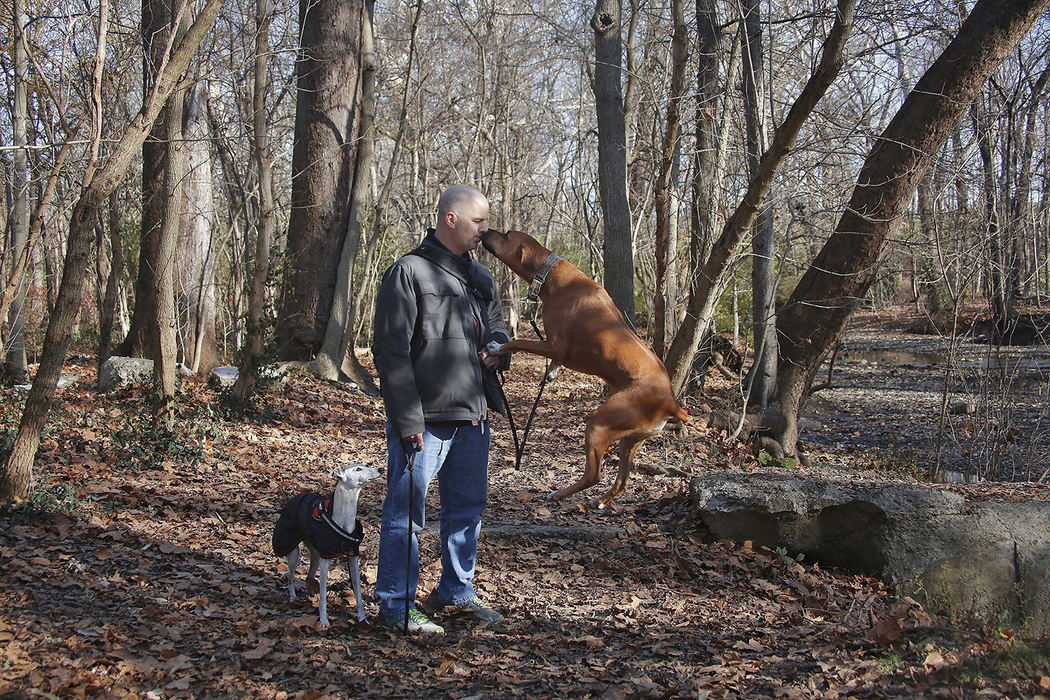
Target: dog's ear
x,y
337,472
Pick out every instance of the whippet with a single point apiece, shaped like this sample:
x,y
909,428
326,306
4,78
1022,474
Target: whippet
x,y
330,528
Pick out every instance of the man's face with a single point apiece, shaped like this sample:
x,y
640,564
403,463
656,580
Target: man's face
x,y
465,225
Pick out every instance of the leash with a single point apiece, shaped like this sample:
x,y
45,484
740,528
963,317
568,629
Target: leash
x,y
531,307
519,446
410,461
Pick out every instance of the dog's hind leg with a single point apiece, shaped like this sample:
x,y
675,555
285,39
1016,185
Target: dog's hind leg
x,y
322,594
315,558
355,579
293,562
628,446
596,442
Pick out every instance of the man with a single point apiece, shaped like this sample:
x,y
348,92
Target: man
x,y
438,317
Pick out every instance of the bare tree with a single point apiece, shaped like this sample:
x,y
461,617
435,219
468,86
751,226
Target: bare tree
x,y
843,271
337,349
612,155
761,380
15,340
17,473
711,278
325,150
252,356
668,157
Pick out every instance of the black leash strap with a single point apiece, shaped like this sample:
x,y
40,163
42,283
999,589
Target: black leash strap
x,y
519,447
410,461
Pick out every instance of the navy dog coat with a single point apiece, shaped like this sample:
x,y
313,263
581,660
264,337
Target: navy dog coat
x,y
308,517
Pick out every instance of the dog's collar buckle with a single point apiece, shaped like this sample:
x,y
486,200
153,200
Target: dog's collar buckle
x,y
540,277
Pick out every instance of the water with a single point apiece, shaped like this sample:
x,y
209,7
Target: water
x,y
904,358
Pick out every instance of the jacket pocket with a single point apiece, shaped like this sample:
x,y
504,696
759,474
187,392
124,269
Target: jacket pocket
x,y
440,317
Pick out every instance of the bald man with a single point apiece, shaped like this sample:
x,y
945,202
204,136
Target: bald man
x,y
438,315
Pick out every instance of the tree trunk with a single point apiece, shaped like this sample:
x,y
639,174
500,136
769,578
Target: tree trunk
x,y
195,251
994,258
337,355
17,474
155,30
706,175
323,157
843,271
663,197
612,155
116,273
248,374
14,343
710,280
164,353
762,378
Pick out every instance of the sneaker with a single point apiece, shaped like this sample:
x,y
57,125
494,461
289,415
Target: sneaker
x,y
475,606
418,623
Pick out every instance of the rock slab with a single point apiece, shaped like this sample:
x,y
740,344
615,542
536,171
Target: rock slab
x,y
124,371
988,561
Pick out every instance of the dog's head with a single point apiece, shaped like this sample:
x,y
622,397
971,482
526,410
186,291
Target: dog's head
x,y
355,476
517,250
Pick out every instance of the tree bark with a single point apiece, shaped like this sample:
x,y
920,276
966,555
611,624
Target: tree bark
x,y
612,155
195,250
156,32
663,197
706,175
843,271
323,157
252,359
165,351
16,365
336,356
17,473
761,379
710,280
116,273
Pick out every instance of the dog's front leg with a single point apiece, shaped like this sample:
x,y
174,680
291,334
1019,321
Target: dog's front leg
x,y
293,562
536,347
355,579
322,600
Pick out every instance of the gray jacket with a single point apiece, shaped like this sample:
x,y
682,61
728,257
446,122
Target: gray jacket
x,y
434,312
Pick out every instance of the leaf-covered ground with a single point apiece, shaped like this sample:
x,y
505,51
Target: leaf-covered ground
x,y
142,567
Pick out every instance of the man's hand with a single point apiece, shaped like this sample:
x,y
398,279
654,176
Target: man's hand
x,y
489,360
413,443
489,356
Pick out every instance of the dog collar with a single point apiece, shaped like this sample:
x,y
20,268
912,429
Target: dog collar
x,y
540,277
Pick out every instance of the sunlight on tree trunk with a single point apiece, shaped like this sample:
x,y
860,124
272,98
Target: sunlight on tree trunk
x,y
337,349
164,275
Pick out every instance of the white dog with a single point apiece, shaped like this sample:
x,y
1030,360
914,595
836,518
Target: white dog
x,y
330,528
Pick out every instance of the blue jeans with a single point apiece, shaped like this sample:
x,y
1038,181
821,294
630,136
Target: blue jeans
x,y
458,455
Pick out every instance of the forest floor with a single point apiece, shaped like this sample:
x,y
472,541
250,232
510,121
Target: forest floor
x,y
141,566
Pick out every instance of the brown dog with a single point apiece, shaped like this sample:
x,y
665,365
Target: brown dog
x,y
587,333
